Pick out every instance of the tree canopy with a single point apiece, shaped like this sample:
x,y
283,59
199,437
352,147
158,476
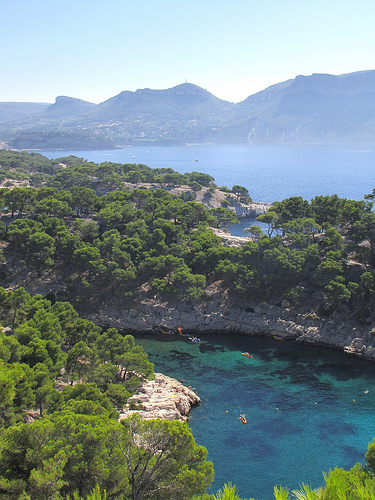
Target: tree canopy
x,y
69,377
101,238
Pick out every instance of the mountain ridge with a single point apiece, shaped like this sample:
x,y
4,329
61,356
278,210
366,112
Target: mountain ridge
x,y
186,99
316,108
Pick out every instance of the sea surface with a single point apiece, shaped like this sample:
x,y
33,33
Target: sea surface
x,y
270,173
309,409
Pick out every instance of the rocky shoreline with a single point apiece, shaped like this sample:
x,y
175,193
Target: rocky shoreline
x,y
163,397
218,315
167,398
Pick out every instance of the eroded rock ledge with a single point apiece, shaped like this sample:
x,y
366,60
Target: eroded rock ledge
x,y
164,398
219,315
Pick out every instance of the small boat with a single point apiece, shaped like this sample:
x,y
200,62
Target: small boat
x,y
173,331
193,339
246,354
243,419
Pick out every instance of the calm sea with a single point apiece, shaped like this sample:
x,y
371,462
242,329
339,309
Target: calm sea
x,y
270,173
309,409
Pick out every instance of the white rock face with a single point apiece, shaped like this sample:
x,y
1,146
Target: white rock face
x,y
164,398
228,240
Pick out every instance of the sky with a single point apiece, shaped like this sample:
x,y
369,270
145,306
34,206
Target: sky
x,y
95,49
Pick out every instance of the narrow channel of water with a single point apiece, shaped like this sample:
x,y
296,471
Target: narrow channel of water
x,y
309,408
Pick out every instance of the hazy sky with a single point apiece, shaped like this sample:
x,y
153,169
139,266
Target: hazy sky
x,y
94,49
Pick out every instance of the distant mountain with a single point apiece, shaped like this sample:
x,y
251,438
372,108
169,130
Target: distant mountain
x,y
12,111
185,101
58,140
319,108
68,108
316,108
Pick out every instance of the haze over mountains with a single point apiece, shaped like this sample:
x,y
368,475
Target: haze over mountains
x,y
320,108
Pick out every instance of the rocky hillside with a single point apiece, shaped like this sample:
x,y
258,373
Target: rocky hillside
x,y
211,199
217,313
141,259
221,314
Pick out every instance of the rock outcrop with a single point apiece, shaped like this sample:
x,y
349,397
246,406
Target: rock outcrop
x,y
228,240
218,314
164,398
211,199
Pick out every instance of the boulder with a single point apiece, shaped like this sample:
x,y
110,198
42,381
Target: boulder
x,y
163,397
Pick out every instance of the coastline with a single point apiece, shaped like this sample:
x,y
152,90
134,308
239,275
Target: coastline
x,y
218,313
257,319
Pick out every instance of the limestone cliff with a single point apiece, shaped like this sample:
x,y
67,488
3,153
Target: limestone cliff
x,y
219,314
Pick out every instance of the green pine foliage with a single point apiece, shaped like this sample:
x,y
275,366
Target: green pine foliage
x,y
89,230
43,346
110,233
70,378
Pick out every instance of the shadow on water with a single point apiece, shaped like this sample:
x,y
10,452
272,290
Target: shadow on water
x,y
207,347
182,356
300,374
276,428
319,359
253,447
331,428
351,456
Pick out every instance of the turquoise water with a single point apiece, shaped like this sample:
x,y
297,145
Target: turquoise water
x,y
288,439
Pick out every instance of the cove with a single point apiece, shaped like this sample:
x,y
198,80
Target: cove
x,y
309,408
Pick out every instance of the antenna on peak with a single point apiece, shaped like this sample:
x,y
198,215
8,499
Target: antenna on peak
x,y
185,80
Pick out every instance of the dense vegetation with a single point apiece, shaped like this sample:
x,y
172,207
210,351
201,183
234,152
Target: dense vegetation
x,y
120,242
339,484
77,224
62,381
66,172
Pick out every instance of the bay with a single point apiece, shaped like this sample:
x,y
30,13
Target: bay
x,y
308,408
298,441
